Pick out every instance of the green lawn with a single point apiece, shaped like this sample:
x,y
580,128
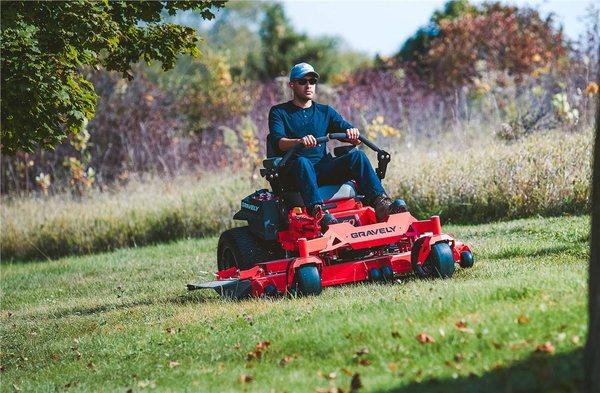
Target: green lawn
x,y
123,320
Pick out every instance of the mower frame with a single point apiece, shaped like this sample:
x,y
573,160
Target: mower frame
x,y
356,249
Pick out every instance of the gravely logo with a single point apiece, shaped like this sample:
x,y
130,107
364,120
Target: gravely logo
x,y
249,207
371,232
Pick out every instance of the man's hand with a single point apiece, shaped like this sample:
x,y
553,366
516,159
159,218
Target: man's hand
x,y
353,135
309,141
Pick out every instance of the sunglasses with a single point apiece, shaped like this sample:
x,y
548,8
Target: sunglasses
x,y
302,82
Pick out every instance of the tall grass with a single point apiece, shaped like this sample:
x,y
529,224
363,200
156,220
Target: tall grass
x,y
145,212
460,177
545,174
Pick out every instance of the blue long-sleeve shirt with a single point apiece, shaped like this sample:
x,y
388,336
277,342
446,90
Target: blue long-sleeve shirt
x,y
290,121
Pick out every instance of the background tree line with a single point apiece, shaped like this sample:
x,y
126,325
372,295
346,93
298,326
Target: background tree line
x,y
496,65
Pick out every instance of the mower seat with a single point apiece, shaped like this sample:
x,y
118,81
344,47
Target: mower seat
x,y
329,193
271,163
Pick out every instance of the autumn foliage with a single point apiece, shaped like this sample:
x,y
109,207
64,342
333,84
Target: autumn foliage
x,y
505,38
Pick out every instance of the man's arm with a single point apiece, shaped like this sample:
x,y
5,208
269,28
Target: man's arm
x,y
287,143
277,131
338,124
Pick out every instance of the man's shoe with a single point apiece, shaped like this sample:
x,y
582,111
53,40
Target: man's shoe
x,y
328,219
384,206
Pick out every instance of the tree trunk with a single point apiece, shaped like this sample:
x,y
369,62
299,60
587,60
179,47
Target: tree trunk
x,y
592,352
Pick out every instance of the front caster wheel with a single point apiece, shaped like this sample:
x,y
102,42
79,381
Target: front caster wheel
x,y
307,281
466,259
439,262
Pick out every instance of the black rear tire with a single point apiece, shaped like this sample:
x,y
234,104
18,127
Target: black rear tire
x,y
439,262
239,248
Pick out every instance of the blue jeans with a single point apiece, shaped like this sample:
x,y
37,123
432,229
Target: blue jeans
x,y
302,175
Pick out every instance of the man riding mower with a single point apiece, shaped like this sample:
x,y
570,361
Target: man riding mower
x,y
327,220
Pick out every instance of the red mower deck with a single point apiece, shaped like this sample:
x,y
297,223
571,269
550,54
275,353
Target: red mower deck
x,y
400,230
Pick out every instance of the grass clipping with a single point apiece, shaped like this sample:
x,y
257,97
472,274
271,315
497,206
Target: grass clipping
x,y
544,174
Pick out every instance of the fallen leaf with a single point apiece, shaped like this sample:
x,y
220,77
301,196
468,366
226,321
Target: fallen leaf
x,y
522,319
355,383
263,345
497,366
461,324
173,364
55,357
257,353
393,367
362,351
347,372
331,375
442,332
285,360
244,378
575,339
462,327
546,347
251,356
425,338
364,362
409,320
518,345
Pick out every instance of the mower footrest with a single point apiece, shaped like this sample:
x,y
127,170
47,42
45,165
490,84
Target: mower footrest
x,y
234,288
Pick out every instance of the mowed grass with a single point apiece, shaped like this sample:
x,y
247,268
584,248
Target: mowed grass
x,y
123,320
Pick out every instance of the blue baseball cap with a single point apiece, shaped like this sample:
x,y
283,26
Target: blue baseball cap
x,y
300,70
